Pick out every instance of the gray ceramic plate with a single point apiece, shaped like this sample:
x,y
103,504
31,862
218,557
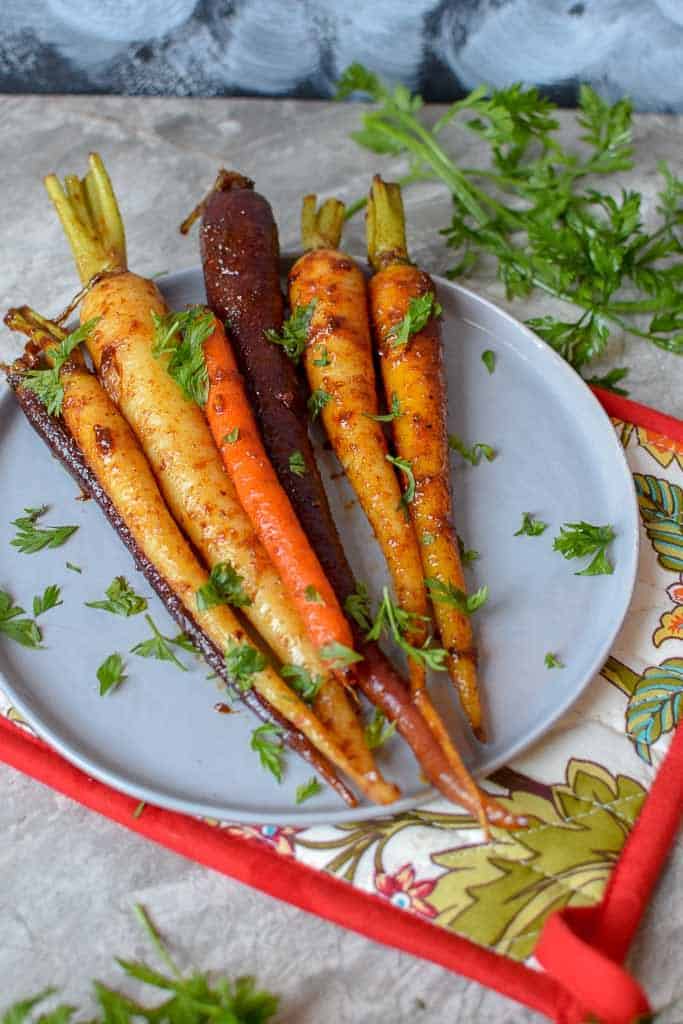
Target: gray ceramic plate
x,y
159,738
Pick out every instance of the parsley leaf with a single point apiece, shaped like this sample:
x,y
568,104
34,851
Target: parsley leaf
x,y
357,605
297,464
610,381
312,595
406,467
110,674
224,587
317,401
183,641
399,622
324,359
46,384
420,311
387,417
242,662
301,680
308,789
552,661
231,436
294,332
467,555
182,335
427,539
25,631
531,527
121,599
49,599
31,538
378,730
448,593
474,453
74,568
339,655
157,647
488,358
577,540
529,208
267,742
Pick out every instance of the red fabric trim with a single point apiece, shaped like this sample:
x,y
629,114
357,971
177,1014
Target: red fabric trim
x,y
580,948
640,415
254,863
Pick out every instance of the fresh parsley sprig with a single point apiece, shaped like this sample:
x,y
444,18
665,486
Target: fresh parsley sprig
x,y
159,646
420,311
406,467
24,631
47,384
399,622
531,527
357,606
50,598
378,730
578,540
242,662
31,538
110,674
121,599
266,741
553,233
224,586
387,417
448,593
294,333
182,336
472,453
301,680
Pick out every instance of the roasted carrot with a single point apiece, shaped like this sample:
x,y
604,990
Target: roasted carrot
x,y
408,338
339,367
112,453
237,436
174,434
241,264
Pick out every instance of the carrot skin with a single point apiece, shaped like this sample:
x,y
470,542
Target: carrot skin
x,y
415,373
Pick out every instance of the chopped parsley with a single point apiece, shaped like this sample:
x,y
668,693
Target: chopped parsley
x,y
488,358
552,661
474,453
312,595
231,436
531,527
339,655
406,467
357,605
578,540
317,401
182,336
46,384
297,463
159,646
121,599
399,622
308,789
31,538
24,631
50,598
224,586
301,680
378,730
294,333
388,417
242,662
324,359
420,310
267,742
448,593
110,674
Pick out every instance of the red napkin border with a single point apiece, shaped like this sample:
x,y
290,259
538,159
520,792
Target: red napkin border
x,y
581,949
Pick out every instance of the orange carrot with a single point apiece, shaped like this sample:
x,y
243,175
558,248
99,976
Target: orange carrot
x,y
261,495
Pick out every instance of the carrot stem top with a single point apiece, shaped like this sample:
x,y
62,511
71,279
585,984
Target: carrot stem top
x,y
386,225
321,228
91,219
44,334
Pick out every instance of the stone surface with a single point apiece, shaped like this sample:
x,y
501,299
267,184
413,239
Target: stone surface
x,y
70,878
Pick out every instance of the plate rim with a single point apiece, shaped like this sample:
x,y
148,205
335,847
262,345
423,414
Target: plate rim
x,y
309,818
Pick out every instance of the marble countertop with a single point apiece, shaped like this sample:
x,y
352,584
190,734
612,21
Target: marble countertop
x,y
70,878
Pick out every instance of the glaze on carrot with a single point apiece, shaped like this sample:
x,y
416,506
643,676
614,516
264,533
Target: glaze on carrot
x,y
412,370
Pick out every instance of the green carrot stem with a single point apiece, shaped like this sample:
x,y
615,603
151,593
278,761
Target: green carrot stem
x,y
386,225
321,228
91,219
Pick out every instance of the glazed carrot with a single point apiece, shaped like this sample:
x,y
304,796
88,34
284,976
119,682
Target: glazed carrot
x,y
339,367
173,432
411,360
113,454
237,436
